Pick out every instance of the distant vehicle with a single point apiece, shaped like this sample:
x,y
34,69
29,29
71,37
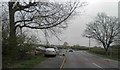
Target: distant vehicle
x,y
70,50
56,49
62,52
50,52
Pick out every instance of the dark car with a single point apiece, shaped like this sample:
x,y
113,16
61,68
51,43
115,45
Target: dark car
x,y
39,50
70,50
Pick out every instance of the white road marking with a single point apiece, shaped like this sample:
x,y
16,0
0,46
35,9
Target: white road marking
x,y
97,65
63,62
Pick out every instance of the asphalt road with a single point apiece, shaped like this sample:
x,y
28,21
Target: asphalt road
x,y
78,59
83,59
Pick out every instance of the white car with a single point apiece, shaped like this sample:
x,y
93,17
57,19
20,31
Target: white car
x,y
50,52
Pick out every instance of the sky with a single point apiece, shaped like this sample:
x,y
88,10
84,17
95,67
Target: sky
x,y
77,25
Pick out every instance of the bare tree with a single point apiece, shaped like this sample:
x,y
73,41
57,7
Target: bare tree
x,y
104,29
37,15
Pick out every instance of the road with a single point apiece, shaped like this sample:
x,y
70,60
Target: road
x,y
78,59
83,59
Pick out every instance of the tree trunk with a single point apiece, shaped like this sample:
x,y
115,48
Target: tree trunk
x,y
106,46
106,49
12,34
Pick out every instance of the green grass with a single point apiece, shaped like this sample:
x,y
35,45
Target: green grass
x,y
106,56
101,52
28,63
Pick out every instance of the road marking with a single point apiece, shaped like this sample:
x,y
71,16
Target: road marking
x,y
63,62
98,66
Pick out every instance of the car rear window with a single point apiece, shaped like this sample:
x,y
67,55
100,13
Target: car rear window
x,y
52,49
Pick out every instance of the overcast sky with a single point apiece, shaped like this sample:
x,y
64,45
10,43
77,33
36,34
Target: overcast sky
x,y
73,34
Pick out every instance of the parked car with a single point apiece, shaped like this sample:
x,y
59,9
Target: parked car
x,y
50,52
39,50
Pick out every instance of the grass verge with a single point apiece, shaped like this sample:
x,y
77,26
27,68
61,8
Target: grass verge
x,y
105,56
28,63
101,52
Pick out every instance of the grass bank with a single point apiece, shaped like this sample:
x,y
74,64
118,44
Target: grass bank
x,y
113,53
30,63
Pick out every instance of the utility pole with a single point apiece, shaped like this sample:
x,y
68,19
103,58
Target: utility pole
x,y
89,40
89,43
119,16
